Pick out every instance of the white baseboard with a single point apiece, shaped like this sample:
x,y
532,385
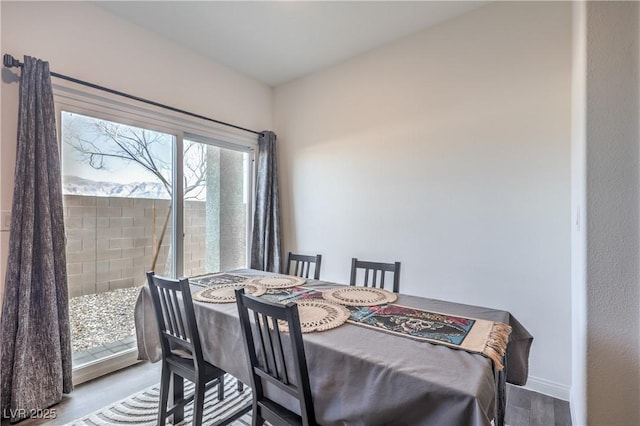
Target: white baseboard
x,y
547,387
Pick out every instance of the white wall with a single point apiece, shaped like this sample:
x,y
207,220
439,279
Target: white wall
x,y
612,212
578,221
86,42
450,152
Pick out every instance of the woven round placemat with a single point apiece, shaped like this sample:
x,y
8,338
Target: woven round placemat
x,y
277,281
226,293
319,315
359,296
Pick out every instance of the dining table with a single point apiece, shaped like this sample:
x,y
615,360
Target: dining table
x,y
365,376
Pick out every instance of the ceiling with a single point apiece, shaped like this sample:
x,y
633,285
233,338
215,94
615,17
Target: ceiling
x,y
278,41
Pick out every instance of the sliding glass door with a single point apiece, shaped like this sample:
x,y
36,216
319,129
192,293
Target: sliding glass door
x,y
137,198
216,207
117,189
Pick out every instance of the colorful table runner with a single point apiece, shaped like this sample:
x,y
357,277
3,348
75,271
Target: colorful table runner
x,y
473,335
215,279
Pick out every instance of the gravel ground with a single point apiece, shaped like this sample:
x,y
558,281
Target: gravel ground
x,y
101,318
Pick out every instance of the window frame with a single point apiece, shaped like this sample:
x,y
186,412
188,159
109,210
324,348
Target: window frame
x,y
102,105
74,98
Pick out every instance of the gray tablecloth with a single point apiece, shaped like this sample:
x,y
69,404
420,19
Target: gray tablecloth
x,y
361,376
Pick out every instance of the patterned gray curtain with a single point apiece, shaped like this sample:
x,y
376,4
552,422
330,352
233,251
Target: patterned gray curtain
x,y
35,333
266,245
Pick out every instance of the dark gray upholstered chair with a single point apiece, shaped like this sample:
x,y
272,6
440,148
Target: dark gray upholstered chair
x,y
300,265
273,353
181,350
374,273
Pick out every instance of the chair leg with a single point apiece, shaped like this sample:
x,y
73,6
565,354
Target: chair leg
x,y
220,388
178,398
164,395
256,418
198,403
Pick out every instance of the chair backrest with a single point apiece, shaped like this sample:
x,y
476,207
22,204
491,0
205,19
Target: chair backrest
x,y
275,354
374,273
176,319
300,264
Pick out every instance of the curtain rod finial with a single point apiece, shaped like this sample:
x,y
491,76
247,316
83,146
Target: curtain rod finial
x,y
9,61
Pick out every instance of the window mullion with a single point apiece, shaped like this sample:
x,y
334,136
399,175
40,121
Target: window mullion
x,y
178,206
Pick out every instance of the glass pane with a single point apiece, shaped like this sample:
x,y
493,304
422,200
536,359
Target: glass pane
x,y
215,208
117,197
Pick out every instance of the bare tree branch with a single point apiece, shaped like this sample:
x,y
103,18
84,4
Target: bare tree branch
x,y
136,146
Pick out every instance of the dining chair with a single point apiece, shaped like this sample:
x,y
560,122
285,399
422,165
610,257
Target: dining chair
x,y
377,271
181,350
300,264
275,356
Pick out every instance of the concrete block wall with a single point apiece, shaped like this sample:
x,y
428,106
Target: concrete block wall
x,y
110,242
194,237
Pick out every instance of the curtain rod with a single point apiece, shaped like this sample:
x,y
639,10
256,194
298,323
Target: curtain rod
x,y
8,61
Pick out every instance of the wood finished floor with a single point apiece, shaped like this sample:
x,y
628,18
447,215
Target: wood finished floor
x,y
524,408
